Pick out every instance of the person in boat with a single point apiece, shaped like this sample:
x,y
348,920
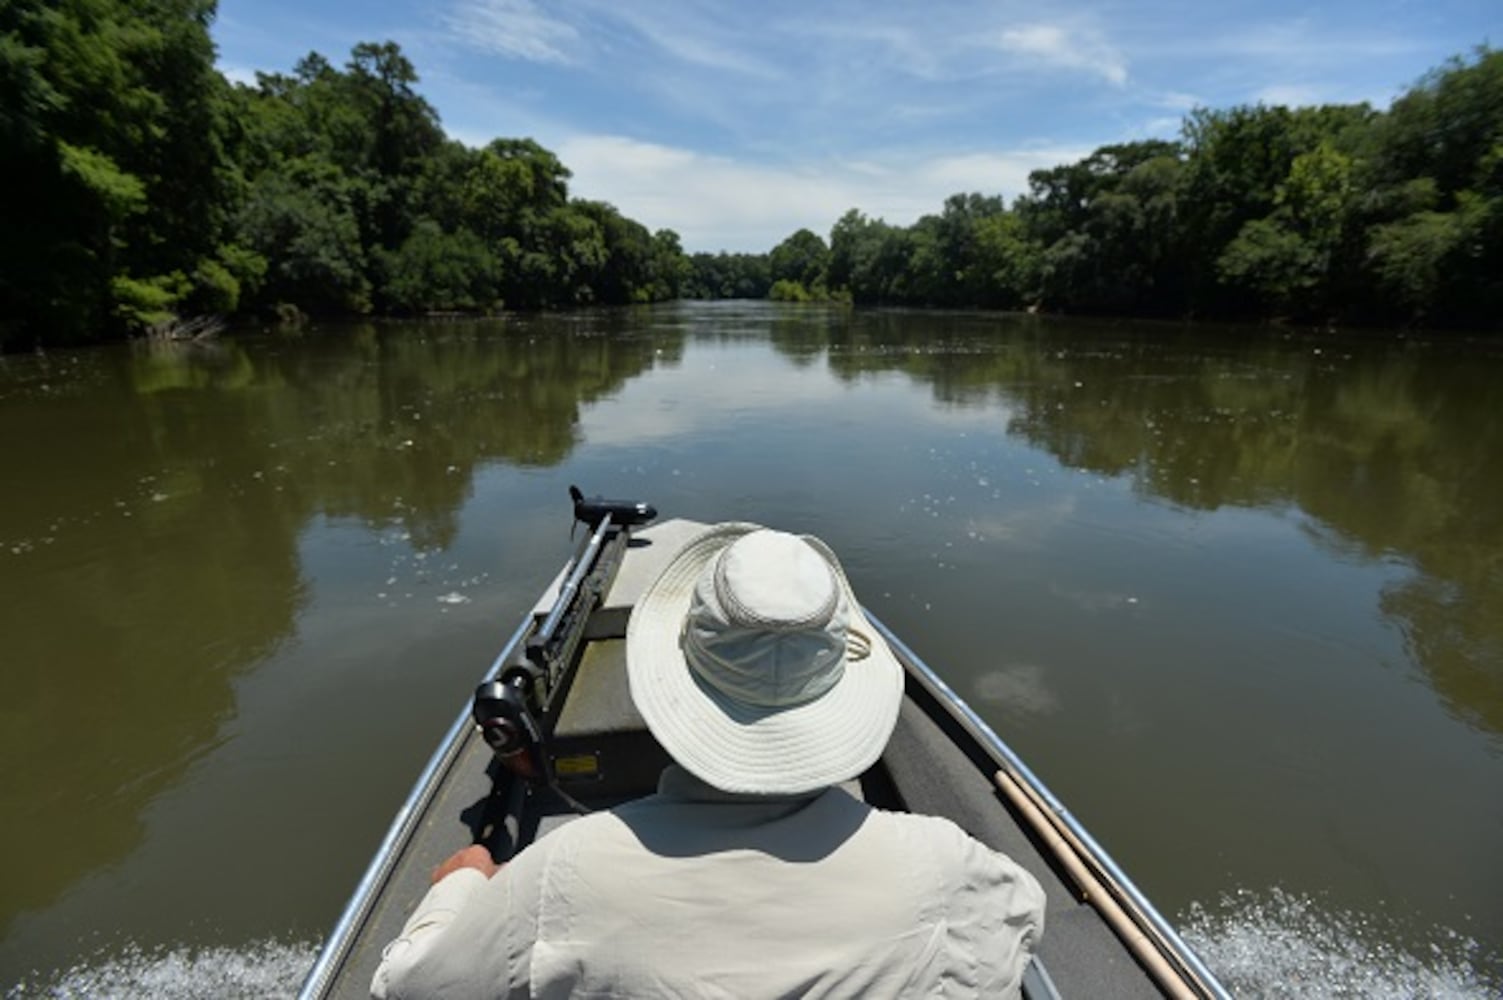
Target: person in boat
x,y
751,872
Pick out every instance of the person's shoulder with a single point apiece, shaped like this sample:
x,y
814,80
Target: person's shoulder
x,y
559,849
938,828
957,858
590,826
935,837
607,829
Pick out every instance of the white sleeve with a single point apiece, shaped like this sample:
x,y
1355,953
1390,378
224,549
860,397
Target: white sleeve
x,y
423,930
996,916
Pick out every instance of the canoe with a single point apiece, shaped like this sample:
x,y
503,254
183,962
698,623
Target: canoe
x,y
552,730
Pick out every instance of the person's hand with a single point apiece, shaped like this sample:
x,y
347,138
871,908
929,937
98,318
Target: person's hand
x,y
475,856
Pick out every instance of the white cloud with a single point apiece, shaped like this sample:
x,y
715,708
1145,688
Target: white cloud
x,y
920,50
557,33
1176,100
1303,41
513,28
1075,48
712,202
1161,128
238,74
694,40
719,203
992,172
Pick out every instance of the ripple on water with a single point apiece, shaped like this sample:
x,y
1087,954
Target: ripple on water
x,y
1277,945
262,970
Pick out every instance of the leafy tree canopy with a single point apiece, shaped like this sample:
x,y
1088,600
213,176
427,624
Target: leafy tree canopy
x,y
138,186
1331,213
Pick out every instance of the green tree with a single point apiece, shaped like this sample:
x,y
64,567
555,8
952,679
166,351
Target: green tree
x,y
727,276
802,258
576,244
137,185
1447,127
1004,268
301,220
1110,230
1435,230
113,164
788,290
438,271
870,259
1241,168
1426,265
1274,266
1288,261
627,272
668,268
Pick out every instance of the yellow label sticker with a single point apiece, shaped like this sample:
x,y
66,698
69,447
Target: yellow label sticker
x,y
585,765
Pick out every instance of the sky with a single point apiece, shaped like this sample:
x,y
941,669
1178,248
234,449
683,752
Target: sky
x,y
737,123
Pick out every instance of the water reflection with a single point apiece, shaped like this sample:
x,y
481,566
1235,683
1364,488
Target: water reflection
x,y
1393,448
151,525
205,549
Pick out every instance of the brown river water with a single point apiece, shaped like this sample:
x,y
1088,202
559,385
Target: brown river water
x,y
1236,595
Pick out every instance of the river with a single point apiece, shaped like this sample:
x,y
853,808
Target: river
x,y
1235,594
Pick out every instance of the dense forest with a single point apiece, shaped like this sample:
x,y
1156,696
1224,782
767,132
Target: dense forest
x,y
139,189
1320,214
139,186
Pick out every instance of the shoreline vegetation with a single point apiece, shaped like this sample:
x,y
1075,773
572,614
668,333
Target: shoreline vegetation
x,y
142,191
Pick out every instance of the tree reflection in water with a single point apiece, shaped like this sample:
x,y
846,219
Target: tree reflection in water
x,y
156,538
1393,448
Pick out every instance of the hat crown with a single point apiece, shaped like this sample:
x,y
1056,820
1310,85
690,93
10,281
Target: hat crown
x,y
742,675
776,581
767,622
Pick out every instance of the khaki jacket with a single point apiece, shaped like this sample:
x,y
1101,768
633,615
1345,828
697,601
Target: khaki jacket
x,y
694,892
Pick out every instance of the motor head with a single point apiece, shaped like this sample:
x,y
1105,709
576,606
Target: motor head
x,y
623,513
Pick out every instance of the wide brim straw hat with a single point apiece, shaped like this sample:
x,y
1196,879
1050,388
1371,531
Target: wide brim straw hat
x,y
752,663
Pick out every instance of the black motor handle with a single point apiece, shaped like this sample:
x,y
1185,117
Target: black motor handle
x,y
624,513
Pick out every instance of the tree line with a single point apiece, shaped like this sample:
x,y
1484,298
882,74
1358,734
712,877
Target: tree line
x,y
1337,213
138,186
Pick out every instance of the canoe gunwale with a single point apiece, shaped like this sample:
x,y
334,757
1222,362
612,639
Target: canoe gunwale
x,y
340,940
979,730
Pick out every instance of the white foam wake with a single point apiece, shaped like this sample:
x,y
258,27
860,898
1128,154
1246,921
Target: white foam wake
x,y
1272,945
1279,945
261,970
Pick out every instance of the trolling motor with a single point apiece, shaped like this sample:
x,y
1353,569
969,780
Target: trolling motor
x,y
626,513
515,710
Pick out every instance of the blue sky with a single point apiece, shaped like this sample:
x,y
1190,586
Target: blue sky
x,y
737,123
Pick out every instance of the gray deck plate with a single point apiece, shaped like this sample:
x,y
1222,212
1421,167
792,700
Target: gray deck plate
x,y
652,548
600,697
